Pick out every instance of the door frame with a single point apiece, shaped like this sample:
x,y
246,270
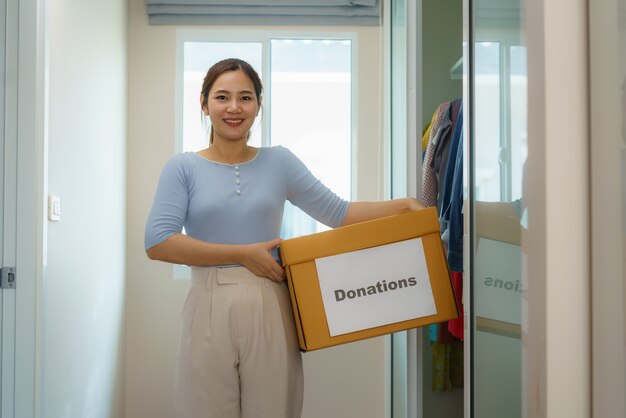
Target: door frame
x,y
30,222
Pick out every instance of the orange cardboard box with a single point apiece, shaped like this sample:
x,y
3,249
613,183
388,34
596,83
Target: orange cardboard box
x,y
368,279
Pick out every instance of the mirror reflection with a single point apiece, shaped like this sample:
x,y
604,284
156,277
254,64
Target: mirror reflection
x,y
500,150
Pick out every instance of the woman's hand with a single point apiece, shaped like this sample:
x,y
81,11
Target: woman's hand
x,y
259,260
365,211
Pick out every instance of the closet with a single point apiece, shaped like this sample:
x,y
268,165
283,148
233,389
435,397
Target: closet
x,y
460,91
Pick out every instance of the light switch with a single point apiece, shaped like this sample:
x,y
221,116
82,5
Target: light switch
x,y
54,208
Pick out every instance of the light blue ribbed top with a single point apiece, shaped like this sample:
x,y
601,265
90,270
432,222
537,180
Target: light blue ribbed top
x,y
237,203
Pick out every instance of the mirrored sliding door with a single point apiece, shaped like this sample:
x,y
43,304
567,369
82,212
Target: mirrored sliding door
x,y
497,152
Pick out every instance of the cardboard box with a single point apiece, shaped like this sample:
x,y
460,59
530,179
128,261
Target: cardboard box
x,y
368,279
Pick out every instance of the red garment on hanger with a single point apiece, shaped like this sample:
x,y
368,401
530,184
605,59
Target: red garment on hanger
x,y
455,326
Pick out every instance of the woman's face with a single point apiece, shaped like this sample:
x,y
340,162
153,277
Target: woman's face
x,y
232,106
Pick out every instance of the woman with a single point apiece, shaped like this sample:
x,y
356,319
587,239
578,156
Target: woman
x,y
238,354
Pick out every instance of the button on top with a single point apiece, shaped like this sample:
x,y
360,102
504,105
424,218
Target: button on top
x,y
237,180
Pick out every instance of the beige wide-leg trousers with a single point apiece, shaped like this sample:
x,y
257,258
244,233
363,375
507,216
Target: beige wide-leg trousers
x,y
238,355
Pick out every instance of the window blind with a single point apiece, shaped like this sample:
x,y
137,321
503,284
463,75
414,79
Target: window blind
x,y
264,12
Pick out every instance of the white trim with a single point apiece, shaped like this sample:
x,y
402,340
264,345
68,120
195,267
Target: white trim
x,y
266,123
386,98
179,92
354,119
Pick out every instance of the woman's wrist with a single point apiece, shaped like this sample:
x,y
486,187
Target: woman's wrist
x,y
414,204
405,204
240,253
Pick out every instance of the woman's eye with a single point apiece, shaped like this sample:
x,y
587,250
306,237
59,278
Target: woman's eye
x,y
220,97
246,98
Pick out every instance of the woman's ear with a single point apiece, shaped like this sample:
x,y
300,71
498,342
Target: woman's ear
x,y
205,107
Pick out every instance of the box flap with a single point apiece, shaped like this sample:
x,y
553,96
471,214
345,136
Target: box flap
x,y
359,236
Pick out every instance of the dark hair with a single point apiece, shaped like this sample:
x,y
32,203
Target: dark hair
x,y
219,68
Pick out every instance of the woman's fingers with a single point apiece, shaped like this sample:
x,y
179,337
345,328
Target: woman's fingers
x,y
279,273
261,262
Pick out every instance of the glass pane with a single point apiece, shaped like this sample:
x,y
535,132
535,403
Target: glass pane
x,y
487,115
197,59
499,152
519,110
311,114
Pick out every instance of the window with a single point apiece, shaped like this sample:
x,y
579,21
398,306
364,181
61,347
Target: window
x,y
311,115
307,103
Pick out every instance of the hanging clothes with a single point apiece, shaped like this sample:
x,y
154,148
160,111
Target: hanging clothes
x,y
455,326
442,180
452,199
447,370
430,186
443,149
426,133
452,217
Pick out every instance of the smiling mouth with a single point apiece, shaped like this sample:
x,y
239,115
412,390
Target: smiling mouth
x,y
233,122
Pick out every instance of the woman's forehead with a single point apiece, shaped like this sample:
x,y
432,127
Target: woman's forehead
x,y
233,82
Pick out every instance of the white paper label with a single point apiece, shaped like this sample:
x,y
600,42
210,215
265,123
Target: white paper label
x,y
497,285
376,286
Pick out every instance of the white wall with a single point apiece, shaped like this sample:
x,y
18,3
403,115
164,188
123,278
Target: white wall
x,y
347,381
83,285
